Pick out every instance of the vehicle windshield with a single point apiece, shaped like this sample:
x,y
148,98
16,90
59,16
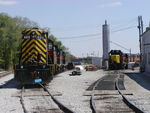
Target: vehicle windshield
x,y
78,69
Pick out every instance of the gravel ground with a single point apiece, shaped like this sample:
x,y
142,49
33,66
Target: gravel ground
x,y
73,88
8,102
2,72
70,90
139,84
38,101
111,104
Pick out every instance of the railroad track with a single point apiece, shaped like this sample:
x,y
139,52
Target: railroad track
x,y
5,73
128,102
112,100
49,104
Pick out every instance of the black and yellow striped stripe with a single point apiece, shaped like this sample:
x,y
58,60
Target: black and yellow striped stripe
x,y
28,32
31,48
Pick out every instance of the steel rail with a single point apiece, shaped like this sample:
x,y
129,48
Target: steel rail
x,y
93,107
128,102
22,101
61,106
5,73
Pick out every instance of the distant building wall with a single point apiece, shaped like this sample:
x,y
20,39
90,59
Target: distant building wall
x,y
97,61
146,51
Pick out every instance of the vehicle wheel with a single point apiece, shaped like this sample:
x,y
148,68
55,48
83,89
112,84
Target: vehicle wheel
x,y
73,73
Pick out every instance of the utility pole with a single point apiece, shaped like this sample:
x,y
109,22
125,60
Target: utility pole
x,y
140,27
130,54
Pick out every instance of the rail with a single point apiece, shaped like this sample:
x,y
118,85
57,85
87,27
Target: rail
x,y
93,107
5,73
22,101
61,106
128,102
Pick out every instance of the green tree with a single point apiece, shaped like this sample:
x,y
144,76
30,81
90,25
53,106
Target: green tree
x,y
10,39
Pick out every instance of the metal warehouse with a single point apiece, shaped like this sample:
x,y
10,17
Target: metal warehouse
x,y
145,50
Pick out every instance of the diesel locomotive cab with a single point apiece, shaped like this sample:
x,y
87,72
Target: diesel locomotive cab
x,y
33,62
118,60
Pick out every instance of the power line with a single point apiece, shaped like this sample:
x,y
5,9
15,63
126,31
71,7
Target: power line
x,y
97,34
123,29
120,45
85,40
71,28
75,28
80,36
129,22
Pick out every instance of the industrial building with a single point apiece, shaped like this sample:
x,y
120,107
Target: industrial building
x,y
97,61
145,50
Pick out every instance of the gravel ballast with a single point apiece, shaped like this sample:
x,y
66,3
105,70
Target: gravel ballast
x,y
9,103
72,89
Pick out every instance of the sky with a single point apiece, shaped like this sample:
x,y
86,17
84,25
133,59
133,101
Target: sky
x,y
78,23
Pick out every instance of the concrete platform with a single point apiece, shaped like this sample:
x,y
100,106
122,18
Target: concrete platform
x,y
139,84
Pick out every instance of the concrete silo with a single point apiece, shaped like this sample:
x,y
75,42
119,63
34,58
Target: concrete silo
x,y
106,44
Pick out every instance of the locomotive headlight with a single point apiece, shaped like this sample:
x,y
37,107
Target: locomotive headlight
x,y
33,33
21,67
44,66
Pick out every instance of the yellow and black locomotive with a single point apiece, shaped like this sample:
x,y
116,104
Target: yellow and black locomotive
x,y
118,60
36,61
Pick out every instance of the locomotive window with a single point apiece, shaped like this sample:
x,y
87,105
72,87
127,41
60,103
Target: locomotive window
x,y
50,46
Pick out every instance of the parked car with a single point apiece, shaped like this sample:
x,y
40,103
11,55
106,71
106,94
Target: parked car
x,y
91,68
76,71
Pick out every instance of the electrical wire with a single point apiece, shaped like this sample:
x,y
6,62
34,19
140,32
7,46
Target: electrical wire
x,y
97,34
75,28
116,25
120,45
127,23
80,36
123,29
85,40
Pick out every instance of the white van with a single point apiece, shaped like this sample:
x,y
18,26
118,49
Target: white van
x,y
76,71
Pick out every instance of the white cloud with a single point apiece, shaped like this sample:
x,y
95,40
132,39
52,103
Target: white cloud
x,y
113,4
2,2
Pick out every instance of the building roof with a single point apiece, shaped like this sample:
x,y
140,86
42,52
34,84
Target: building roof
x,y
147,30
